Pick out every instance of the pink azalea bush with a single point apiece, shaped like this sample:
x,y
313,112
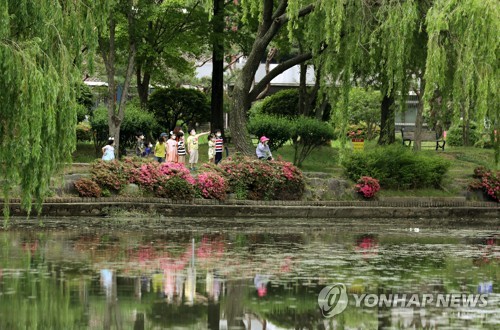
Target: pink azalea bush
x,y
212,185
487,181
170,180
262,180
246,177
367,186
109,174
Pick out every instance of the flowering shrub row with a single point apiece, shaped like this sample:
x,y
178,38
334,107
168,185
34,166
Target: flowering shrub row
x,y
487,181
87,188
255,179
246,177
367,187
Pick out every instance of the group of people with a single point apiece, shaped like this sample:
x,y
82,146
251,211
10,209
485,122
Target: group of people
x,y
173,148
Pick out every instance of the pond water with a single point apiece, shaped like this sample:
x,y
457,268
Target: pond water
x,y
248,274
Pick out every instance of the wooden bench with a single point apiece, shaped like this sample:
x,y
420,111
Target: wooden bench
x,y
408,135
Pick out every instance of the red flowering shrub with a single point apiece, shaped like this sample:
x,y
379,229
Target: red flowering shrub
x,y
109,174
488,181
150,176
87,188
212,185
367,186
262,179
154,177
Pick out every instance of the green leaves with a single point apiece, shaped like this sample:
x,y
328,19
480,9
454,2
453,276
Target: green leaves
x,y
40,50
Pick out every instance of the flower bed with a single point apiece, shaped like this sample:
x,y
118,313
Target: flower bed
x,y
261,180
488,181
243,176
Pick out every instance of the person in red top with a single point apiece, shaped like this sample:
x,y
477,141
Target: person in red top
x,y
219,146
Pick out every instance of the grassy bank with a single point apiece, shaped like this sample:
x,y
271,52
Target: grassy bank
x,y
326,159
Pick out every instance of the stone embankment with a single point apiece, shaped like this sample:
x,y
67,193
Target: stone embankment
x,y
451,210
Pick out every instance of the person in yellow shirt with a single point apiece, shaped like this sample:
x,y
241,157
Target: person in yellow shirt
x,y
161,148
192,147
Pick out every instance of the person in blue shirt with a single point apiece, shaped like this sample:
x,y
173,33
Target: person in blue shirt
x,y
263,151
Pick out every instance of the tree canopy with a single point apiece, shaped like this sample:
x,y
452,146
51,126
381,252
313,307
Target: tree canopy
x,y
42,45
447,45
179,106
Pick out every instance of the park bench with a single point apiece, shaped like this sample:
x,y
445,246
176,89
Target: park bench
x,y
408,135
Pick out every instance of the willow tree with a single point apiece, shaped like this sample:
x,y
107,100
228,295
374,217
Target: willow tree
x,y
42,45
274,16
382,43
371,41
462,60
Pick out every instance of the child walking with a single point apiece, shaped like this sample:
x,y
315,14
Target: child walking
x,y
211,148
181,149
192,148
172,149
108,151
160,149
219,146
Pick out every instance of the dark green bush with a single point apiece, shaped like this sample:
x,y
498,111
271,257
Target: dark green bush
x,y
397,167
309,134
176,188
454,136
278,129
83,131
136,120
282,103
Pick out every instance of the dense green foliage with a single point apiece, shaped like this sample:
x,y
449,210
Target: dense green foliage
x,y
306,133
41,46
277,129
282,103
85,100
462,60
454,136
135,120
397,167
364,110
309,134
179,106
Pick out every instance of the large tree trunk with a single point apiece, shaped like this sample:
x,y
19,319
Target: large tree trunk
x,y
420,116
387,128
143,86
217,100
238,121
304,104
108,52
269,27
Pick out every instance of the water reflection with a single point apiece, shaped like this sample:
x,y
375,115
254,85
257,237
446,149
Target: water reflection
x,y
216,278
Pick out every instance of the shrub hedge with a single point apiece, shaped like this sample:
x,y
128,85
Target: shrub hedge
x,y
397,167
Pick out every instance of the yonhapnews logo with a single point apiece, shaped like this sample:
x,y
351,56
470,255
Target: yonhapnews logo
x,y
333,300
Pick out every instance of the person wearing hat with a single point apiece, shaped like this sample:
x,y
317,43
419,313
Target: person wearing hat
x,y
263,151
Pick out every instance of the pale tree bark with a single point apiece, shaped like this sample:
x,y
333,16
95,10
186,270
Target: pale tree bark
x,y
270,56
420,114
116,112
242,95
